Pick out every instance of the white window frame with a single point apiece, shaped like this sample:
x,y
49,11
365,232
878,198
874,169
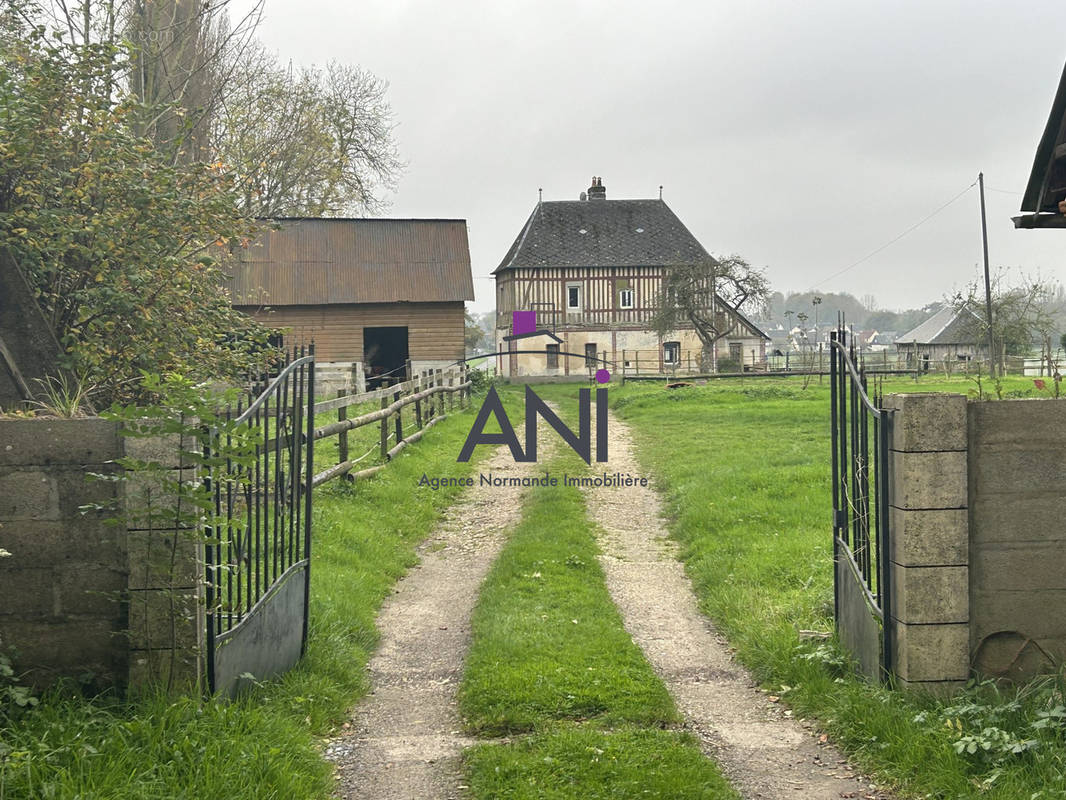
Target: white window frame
x,y
622,295
577,307
671,348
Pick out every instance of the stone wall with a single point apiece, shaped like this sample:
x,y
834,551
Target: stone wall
x,y
62,586
80,596
978,546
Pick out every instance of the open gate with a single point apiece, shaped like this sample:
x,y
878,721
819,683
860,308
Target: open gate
x,y
258,549
860,436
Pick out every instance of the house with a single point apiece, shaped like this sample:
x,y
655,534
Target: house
x,y
1045,194
947,338
585,277
377,296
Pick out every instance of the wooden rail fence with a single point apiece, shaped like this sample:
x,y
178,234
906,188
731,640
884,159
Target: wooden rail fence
x,y
431,392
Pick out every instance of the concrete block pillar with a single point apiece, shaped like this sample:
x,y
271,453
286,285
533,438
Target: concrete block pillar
x,y
929,544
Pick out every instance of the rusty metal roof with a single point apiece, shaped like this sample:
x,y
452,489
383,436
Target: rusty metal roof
x,y
317,261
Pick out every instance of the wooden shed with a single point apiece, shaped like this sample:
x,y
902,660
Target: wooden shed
x,y
380,292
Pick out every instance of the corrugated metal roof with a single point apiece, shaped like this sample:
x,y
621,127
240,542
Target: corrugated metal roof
x,y
316,261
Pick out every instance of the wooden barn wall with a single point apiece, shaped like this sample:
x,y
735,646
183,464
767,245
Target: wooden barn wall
x,y
435,330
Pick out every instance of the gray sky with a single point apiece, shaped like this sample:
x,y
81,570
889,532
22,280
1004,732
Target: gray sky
x,y
802,136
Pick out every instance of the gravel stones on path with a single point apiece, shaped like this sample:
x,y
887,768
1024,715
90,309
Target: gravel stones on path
x,y
762,750
405,738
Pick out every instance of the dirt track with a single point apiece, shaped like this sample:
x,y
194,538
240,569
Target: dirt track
x,y
405,738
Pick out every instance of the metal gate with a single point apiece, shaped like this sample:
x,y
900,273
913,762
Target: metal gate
x,y
860,436
258,547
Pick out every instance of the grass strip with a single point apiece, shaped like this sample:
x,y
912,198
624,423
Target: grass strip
x,y
262,745
548,642
745,469
579,762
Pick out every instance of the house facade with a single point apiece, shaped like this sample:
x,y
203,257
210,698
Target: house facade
x,y
591,272
377,296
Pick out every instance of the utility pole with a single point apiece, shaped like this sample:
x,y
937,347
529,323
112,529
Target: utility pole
x,y
988,280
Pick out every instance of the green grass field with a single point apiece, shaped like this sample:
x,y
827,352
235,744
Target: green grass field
x,y
744,467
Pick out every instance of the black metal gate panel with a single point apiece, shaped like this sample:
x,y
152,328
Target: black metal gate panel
x,y
258,551
860,436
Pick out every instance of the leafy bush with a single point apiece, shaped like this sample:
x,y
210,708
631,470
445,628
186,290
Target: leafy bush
x,y
123,247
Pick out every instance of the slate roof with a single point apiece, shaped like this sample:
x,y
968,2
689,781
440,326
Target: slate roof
x,y
602,233
946,326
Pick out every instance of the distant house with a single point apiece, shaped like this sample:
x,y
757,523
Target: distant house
x,y
373,294
590,270
950,335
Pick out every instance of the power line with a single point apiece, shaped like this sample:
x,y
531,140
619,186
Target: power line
x,y
892,241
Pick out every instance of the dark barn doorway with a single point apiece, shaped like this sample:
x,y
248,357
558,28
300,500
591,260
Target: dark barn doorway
x,y
384,356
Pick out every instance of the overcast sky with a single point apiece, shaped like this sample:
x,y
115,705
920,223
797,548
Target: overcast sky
x,y
802,136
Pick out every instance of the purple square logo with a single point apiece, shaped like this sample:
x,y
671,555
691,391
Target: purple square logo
x,y
523,322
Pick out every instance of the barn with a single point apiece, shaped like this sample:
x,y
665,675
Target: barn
x,y
379,297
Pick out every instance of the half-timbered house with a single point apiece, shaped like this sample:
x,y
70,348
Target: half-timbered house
x,y
591,271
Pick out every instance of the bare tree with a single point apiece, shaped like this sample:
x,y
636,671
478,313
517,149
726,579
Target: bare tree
x,y
1024,313
181,57
306,142
708,295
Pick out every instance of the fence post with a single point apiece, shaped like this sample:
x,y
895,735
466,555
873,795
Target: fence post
x,y
637,367
451,382
418,402
440,382
342,440
399,417
384,430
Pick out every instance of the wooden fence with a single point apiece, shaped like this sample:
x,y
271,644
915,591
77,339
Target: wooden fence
x,y
431,393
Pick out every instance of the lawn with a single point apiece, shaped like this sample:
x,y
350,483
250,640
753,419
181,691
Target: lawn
x,y
744,468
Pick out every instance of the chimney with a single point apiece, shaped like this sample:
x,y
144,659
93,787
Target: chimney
x,y
596,191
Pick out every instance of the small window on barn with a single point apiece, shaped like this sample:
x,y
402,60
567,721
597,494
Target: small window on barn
x,y
573,297
553,356
590,354
671,352
625,298
736,351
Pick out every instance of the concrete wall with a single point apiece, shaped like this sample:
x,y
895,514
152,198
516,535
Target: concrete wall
x,y
978,545
929,552
79,595
1017,535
